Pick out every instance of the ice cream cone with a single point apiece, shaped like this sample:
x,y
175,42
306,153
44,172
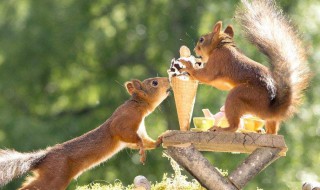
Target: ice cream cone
x,y
184,95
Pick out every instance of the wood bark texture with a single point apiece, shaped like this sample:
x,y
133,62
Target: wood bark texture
x,y
224,141
198,166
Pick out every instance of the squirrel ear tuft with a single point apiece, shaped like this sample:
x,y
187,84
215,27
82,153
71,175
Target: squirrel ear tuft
x,y
217,27
133,85
229,31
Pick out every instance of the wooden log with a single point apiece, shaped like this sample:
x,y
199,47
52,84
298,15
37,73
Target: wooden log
x,y
253,165
224,141
198,166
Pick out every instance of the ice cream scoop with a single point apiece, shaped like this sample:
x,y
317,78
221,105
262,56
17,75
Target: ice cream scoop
x,y
176,65
184,89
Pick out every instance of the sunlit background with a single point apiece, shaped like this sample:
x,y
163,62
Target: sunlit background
x,y
63,64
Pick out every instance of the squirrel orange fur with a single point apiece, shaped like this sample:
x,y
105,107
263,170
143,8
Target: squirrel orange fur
x,y
269,93
56,166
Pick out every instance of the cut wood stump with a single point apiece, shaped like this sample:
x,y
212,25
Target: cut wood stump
x,y
183,147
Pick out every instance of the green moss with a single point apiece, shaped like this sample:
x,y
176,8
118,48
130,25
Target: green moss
x,y
175,181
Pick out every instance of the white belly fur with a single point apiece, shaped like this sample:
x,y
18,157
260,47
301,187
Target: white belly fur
x,y
142,130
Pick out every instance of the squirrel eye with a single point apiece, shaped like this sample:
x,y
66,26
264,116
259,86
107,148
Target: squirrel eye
x,y
154,83
201,39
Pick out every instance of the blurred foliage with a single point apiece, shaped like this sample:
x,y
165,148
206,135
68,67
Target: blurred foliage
x,y
63,63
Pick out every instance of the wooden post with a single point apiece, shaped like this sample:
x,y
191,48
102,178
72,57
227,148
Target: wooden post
x,y
254,164
198,166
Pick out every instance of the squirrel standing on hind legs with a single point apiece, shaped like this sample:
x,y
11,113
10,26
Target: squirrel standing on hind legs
x,y
55,167
269,93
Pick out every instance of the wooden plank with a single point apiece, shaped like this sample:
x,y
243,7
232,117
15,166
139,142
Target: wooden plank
x,y
224,141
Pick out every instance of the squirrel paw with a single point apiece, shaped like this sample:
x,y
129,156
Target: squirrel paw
x,y
142,155
188,65
189,68
159,141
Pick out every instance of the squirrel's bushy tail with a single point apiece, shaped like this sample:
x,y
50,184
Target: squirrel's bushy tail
x,y
267,28
14,164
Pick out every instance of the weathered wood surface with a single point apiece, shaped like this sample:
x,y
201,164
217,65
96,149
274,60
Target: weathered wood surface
x,y
253,165
224,141
198,166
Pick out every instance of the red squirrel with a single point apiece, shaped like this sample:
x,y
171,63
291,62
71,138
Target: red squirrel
x,y
56,166
273,93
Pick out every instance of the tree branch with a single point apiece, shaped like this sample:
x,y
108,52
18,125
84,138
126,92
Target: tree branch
x,y
198,166
253,165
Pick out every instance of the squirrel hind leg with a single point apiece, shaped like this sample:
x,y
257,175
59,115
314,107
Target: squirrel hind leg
x,y
44,181
234,109
245,99
35,182
53,173
272,127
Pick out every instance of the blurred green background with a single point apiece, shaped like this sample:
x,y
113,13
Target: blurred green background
x,y
63,64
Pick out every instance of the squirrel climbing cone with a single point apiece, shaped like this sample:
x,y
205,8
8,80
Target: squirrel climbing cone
x,y
184,90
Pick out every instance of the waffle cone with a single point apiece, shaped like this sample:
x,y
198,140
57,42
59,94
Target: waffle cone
x,y
184,95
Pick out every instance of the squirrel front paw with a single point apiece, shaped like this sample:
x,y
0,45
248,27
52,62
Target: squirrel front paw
x,y
159,141
188,65
188,68
142,154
